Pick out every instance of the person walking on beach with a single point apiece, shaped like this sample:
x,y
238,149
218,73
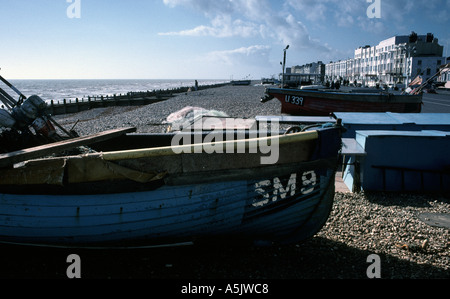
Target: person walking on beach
x,y
196,85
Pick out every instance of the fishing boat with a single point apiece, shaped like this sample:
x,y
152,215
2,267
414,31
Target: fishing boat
x,y
323,102
156,189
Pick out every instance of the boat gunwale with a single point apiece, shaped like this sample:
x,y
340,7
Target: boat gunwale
x,y
348,96
196,148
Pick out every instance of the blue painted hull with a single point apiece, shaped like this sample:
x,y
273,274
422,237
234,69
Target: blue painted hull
x,y
283,205
254,209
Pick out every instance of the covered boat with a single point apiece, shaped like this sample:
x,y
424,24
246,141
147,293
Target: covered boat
x,y
324,102
156,189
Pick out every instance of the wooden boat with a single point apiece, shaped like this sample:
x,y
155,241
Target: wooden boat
x,y
322,102
142,189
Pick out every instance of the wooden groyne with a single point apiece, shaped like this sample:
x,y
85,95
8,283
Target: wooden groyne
x,y
128,99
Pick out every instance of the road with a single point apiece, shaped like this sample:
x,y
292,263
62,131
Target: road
x,y
436,103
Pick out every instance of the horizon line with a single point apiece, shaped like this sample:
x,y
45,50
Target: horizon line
x,y
117,79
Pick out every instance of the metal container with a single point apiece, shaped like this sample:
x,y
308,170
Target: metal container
x,y
43,126
33,107
6,120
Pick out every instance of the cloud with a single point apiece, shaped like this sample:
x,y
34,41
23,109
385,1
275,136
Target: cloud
x,y
208,7
239,63
240,56
314,10
396,16
343,12
228,17
251,9
289,31
257,17
248,18
221,26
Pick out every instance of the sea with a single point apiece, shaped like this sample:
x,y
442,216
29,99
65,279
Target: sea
x,y
58,90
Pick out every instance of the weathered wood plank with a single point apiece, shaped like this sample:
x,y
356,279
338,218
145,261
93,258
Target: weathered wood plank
x,y
9,159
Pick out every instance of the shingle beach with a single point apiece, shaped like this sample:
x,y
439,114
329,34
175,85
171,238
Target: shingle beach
x,y
387,225
235,101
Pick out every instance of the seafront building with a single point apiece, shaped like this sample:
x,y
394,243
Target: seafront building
x,y
311,73
444,78
393,62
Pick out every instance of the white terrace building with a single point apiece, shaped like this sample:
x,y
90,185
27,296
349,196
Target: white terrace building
x,y
312,72
397,60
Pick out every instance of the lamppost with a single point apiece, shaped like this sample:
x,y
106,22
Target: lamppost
x,y
284,65
408,70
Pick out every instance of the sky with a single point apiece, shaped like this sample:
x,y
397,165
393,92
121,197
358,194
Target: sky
x,y
198,39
